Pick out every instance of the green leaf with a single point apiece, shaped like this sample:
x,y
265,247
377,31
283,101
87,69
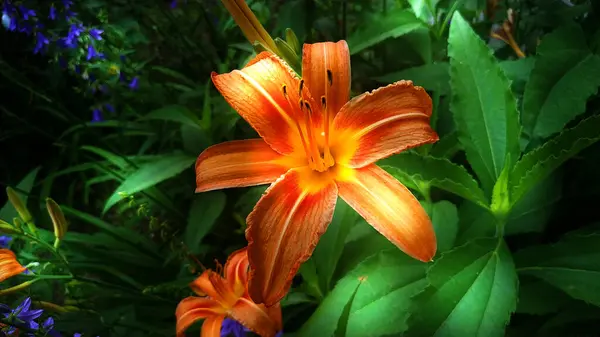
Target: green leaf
x,y
572,265
433,76
565,75
438,172
542,161
444,217
8,212
176,113
424,9
483,105
571,322
114,159
473,293
447,146
204,211
391,279
342,325
330,246
383,26
150,174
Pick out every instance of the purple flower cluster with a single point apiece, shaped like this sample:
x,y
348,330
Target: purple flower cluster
x,y
232,328
75,47
25,317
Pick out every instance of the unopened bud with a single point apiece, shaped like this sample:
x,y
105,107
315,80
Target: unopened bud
x,y
58,218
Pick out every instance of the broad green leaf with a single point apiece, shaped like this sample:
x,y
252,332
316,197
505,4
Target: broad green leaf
x,y
424,9
383,26
433,76
342,325
8,212
363,246
518,72
483,105
474,222
447,146
330,246
112,158
539,298
572,265
542,161
473,293
444,217
438,172
176,113
150,174
436,76
391,278
565,75
204,211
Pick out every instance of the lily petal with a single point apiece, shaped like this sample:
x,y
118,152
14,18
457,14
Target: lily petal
x,y
214,286
326,71
257,93
387,121
256,317
9,266
211,327
240,163
192,309
284,228
391,209
236,271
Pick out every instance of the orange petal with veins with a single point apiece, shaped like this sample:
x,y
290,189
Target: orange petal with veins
x,y
211,327
284,228
387,121
192,309
391,209
256,93
236,271
214,286
240,163
266,322
326,71
9,266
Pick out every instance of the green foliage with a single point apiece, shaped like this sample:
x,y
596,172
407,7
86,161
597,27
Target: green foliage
x,y
113,140
484,108
473,291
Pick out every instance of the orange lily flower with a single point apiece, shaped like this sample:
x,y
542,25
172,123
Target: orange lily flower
x,y
226,296
9,266
317,144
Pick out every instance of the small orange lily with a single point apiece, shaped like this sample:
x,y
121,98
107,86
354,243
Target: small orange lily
x,y
226,296
317,144
9,266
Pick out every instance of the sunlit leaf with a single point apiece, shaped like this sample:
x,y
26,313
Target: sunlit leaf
x,y
473,292
150,174
383,26
484,107
381,303
438,172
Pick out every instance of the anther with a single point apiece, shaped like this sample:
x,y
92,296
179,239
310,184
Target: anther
x,y
300,88
323,102
284,88
329,77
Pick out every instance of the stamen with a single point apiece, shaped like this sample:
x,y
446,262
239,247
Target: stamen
x,y
328,158
319,165
299,129
330,77
300,88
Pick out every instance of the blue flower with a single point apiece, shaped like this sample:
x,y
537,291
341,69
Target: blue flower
x,y
95,33
26,12
5,241
52,15
40,42
232,328
97,115
109,107
133,85
91,52
67,3
6,20
22,314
